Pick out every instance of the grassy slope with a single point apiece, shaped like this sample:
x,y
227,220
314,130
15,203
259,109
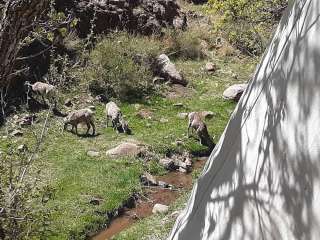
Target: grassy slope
x,y
74,177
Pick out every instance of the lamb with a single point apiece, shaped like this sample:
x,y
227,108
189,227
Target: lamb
x,y
196,123
113,112
80,116
44,90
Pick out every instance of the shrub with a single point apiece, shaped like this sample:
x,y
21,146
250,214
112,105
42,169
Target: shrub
x,y
115,66
186,44
247,24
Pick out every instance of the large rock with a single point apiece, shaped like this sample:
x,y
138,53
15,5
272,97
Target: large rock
x,y
160,208
166,69
142,16
126,149
234,92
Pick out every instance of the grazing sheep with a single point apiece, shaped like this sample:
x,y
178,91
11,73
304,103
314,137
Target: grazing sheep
x,y
196,123
44,90
113,112
80,116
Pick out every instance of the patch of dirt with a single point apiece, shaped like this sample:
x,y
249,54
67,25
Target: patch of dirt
x,y
144,204
179,91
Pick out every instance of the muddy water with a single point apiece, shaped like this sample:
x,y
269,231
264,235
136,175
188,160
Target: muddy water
x,y
145,205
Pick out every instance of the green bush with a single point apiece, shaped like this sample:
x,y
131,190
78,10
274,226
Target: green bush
x,y
118,66
247,24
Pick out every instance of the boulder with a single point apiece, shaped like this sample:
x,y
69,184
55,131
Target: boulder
x,y
160,208
166,69
126,149
141,16
234,92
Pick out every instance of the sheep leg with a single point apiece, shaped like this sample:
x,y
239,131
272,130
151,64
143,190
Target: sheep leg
x,y
88,128
114,125
93,128
188,134
43,100
107,121
76,127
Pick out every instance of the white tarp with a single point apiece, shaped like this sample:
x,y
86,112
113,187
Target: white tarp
x,y
262,181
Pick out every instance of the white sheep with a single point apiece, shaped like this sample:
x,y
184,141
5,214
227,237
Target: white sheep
x,y
44,90
85,116
196,123
113,112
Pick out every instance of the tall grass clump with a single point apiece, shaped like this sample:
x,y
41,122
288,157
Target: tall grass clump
x,y
187,45
247,24
119,66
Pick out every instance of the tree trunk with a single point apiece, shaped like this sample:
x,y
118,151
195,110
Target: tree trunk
x,y
17,19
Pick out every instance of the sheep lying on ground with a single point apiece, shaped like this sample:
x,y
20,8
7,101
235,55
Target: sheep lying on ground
x,y
196,123
84,116
113,112
44,90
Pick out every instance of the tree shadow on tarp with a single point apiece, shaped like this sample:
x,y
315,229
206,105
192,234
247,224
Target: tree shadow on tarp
x,y
260,181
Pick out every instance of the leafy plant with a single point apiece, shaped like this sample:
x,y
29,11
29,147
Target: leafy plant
x,y
247,24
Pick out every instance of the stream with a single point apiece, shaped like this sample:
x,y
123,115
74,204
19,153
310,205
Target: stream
x,y
144,205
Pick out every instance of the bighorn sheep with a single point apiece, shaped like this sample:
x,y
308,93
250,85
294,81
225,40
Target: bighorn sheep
x,y
113,112
196,123
80,116
44,90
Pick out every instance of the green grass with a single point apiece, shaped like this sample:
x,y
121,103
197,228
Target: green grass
x,y
74,178
71,178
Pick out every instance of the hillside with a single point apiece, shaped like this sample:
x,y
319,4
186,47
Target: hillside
x,y
72,189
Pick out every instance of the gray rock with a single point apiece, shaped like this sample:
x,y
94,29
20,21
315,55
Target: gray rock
x,y
68,102
141,16
178,105
126,149
167,70
167,163
182,115
164,120
210,67
22,148
92,153
234,92
160,208
148,179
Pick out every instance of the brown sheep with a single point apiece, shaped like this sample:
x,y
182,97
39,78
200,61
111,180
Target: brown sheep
x,y
80,116
44,90
196,123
